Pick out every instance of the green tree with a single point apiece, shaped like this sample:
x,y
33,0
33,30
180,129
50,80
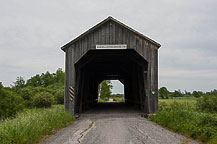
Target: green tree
x,y
163,93
10,103
187,94
43,99
19,83
197,94
1,85
105,89
47,79
59,76
26,93
34,81
59,96
214,92
177,93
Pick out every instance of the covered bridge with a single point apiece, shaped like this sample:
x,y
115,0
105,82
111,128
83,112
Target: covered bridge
x,y
111,51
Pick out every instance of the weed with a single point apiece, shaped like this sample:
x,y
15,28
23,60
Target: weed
x,y
184,118
30,126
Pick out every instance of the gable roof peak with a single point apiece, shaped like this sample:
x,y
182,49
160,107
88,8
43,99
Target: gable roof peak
x,y
110,18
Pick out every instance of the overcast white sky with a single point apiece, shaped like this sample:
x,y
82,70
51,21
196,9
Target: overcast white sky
x,y
32,32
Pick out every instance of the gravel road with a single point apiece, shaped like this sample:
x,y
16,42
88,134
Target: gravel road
x,y
115,124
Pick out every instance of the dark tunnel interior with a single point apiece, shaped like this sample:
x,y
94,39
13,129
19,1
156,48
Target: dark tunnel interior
x,y
125,65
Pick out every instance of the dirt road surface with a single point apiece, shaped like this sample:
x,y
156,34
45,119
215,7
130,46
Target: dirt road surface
x,y
115,124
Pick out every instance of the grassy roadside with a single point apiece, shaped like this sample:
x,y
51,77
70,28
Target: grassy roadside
x,y
30,126
183,117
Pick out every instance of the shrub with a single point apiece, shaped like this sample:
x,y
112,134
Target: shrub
x,y
56,86
197,94
181,118
59,96
207,103
42,89
43,99
26,93
177,93
10,103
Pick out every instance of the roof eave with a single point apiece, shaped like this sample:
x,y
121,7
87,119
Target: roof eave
x,y
101,23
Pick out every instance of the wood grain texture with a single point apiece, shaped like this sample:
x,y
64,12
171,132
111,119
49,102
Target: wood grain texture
x,y
138,79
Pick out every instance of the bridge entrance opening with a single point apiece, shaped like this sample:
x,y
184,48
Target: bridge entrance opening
x,y
110,91
125,65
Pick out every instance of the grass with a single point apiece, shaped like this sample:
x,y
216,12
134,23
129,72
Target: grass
x,y
181,115
32,125
115,99
101,100
190,100
119,99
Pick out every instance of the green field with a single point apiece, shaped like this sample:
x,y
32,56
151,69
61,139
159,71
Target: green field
x,y
32,125
190,100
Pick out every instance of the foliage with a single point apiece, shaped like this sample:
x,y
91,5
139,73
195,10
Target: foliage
x,y
55,86
19,83
119,99
30,126
214,92
182,100
207,103
46,79
34,81
182,118
57,89
187,94
117,96
43,99
10,103
105,89
59,96
197,94
163,93
60,76
102,100
1,85
177,93
26,93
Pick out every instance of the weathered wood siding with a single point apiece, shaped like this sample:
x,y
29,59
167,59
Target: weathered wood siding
x,y
114,33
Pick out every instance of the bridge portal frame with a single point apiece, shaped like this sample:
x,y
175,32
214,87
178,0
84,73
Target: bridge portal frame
x,y
82,55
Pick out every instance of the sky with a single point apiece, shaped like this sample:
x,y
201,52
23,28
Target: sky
x,y
32,32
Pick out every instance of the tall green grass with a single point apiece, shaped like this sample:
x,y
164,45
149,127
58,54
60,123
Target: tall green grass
x,y
184,118
30,126
190,100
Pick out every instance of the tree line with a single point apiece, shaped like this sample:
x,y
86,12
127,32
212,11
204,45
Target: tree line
x,y
164,93
206,101
41,90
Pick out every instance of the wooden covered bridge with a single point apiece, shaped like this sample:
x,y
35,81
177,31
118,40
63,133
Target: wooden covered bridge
x,y
111,51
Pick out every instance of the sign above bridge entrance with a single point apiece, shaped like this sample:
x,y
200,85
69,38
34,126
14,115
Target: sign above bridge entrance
x,y
120,46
